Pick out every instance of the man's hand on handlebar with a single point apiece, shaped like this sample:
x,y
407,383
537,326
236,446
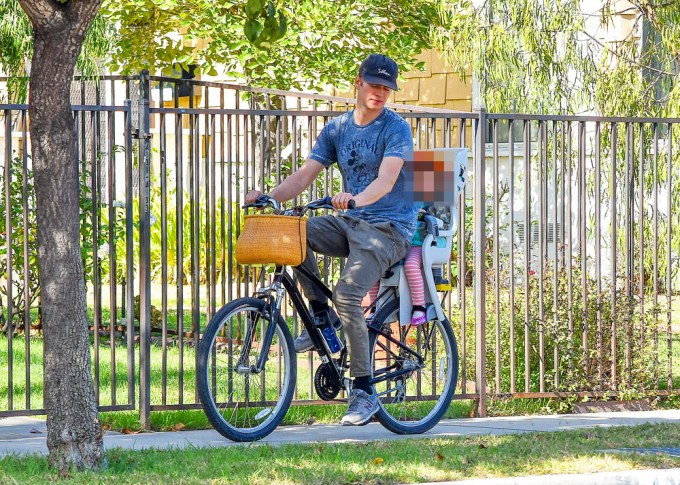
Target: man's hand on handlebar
x,y
342,201
252,196
260,201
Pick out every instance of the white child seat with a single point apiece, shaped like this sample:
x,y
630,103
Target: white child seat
x,y
436,247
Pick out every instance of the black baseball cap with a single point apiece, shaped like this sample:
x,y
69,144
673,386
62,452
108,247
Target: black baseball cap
x,y
380,69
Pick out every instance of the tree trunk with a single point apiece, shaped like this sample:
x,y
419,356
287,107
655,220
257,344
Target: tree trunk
x,y
74,433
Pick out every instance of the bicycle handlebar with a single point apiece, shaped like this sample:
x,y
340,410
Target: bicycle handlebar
x,y
264,201
327,203
261,202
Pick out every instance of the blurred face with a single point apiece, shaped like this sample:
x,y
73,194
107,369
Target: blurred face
x,y
371,96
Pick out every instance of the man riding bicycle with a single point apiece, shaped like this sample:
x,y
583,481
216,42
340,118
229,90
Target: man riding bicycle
x,y
370,145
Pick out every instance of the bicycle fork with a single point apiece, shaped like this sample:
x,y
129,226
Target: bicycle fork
x,y
273,295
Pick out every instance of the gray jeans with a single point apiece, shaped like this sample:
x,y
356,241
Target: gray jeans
x,y
370,249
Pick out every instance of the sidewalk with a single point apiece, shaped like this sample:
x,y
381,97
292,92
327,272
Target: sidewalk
x,y
22,435
25,435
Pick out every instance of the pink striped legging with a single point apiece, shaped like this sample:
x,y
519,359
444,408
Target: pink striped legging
x,y
412,265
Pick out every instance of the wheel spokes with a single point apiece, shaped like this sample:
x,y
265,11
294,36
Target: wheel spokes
x,y
247,398
415,395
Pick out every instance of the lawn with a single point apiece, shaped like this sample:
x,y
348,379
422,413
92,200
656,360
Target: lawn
x,y
176,361
408,461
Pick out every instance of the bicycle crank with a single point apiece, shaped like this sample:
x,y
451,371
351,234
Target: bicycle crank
x,y
326,382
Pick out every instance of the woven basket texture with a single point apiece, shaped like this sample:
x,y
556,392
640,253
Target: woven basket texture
x,y
272,239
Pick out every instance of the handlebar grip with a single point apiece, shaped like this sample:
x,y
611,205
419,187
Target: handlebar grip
x,y
329,201
261,202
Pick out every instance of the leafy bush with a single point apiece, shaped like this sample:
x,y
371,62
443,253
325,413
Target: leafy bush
x,y
22,247
577,352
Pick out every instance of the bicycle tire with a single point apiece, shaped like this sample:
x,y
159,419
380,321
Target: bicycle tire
x,y
402,410
235,416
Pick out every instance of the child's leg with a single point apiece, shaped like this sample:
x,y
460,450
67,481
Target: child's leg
x,y
371,296
373,292
414,276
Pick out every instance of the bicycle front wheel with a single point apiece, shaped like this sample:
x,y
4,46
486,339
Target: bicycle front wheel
x,y
414,395
244,404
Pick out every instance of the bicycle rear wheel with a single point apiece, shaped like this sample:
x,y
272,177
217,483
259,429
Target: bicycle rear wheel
x,y
241,403
413,402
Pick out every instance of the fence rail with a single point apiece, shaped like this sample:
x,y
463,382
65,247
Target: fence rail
x,y
565,266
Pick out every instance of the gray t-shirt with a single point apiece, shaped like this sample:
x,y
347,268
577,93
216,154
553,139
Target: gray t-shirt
x,y
359,151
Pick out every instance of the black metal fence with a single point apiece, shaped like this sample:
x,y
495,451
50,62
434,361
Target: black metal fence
x,y
565,265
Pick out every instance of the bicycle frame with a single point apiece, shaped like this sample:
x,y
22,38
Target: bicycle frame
x,y
381,375
282,283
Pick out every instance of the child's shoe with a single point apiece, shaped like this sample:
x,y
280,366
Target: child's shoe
x,y
418,317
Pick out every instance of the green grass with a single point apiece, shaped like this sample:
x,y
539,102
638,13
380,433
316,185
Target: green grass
x,y
546,406
195,419
408,461
171,357
106,365
109,367
110,362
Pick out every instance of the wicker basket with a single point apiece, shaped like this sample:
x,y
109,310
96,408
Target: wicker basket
x,y
272,239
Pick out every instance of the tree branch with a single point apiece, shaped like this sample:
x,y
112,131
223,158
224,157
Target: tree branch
x,y
648,10
82,12
43,12
55,15
632,61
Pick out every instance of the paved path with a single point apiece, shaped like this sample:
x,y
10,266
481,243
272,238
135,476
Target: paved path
x,y
22,435
25,435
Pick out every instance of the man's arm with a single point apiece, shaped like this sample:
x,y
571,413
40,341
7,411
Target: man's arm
x,y
387,176
292,185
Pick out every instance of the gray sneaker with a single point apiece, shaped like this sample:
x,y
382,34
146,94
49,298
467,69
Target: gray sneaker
x,y
362,406
303,342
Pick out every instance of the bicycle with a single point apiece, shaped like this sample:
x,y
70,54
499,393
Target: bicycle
x,y
247,366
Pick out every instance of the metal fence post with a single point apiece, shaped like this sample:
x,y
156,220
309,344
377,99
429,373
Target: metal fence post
x,y
144,253
479,212
128,309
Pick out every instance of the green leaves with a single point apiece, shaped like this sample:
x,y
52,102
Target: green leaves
x,y
283,44
254,8
265,24
16,47
252,29
541,56
527,50
22,227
